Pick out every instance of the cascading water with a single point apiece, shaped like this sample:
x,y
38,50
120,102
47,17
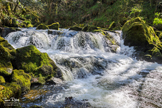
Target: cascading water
x,y
91,71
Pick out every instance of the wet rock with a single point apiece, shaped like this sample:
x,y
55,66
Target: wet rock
x,y
36,106
54,81
5,31
73,103
35,81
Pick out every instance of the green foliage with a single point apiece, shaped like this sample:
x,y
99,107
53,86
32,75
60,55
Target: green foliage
x,y
157,21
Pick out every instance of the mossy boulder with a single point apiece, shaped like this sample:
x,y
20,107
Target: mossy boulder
x,y
21,78
2,80
8,91
31,60
54,26
137,33
42,26
7,52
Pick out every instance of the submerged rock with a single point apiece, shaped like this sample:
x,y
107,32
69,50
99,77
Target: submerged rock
x,y
36,106
73,103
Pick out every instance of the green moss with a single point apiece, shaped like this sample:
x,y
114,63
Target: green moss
x,y
29,25
89,28
76,28
31,60
42,26
21,78
54,26
41,79
7,53
2,80
8,91
137,33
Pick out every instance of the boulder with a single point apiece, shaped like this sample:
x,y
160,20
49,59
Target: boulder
x,y
31,60
42,26
20,83
54,26
137,33
148,45
4,31
9,90
2,80
54,81
22,79
7,52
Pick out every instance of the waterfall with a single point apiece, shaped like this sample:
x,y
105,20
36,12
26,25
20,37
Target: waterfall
x,y
92,71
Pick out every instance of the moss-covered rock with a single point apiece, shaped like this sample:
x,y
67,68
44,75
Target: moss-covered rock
x,y
54,26
137,33
21,78
8,91
76,28
89,28
7,53
31,60
20,83
42,26
2,80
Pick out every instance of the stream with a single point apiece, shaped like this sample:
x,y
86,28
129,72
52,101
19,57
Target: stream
x,y
92,73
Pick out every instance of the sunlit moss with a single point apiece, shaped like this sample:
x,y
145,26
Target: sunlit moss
x,y
2,80
54,26
21,78
33,94
42,26
31,60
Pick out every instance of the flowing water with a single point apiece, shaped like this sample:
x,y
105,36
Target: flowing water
x,y
92,72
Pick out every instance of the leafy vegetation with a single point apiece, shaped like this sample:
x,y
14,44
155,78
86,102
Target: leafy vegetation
x,y
110,14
